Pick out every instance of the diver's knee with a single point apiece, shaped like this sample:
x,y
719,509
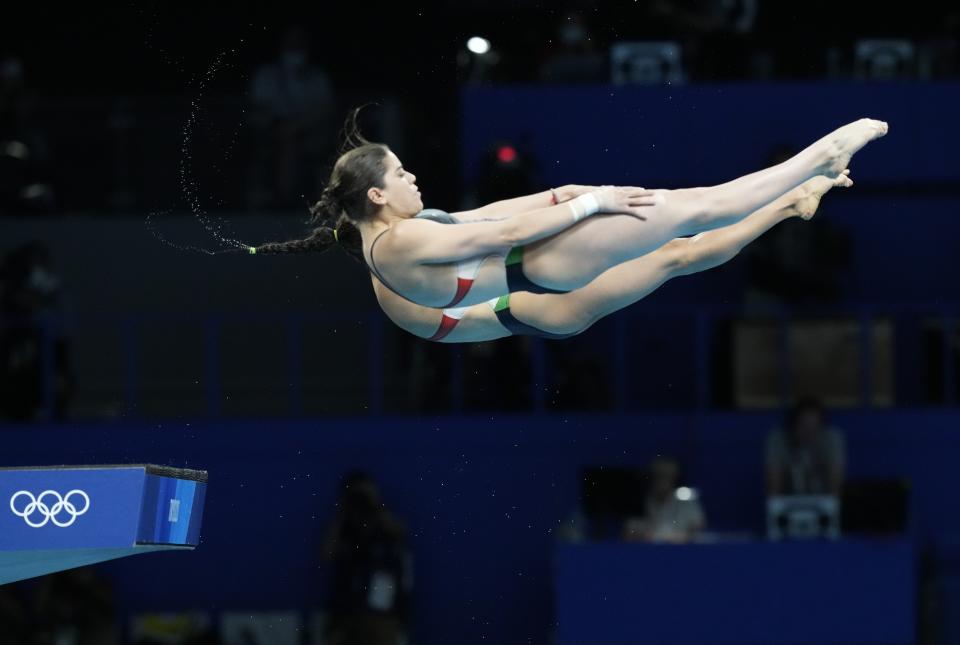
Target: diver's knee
x,y
570,321
678,256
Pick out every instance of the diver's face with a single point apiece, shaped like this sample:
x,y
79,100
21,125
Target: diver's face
x,y
400,187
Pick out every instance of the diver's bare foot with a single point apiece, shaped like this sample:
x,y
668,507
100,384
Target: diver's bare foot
x,y
839,146
807,195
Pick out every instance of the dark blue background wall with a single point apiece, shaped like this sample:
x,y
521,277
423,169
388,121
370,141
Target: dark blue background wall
x,y
482,497
676,136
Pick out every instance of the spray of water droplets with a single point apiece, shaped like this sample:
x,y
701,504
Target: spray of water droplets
x,y
180,247
189,184
165,55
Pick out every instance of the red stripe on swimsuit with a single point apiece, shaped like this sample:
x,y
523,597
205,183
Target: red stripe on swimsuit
x,y
463,286
466,273
450,318
446,326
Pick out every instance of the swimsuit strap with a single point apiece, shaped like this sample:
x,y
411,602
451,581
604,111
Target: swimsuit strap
x,y
432,214
466,269
373,265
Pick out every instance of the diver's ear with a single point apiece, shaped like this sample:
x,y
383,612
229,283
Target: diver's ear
x,y
376,196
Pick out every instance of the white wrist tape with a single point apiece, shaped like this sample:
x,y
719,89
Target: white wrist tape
x,y
584,206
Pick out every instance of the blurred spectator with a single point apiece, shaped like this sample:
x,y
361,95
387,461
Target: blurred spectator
x,y
24,172
805,458
797,262
371,578
507,169
292,107
712,16
940,52
76,606
29,290
717,36
671,514
576,59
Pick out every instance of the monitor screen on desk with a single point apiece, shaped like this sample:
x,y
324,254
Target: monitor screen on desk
x,y
879,506
803,517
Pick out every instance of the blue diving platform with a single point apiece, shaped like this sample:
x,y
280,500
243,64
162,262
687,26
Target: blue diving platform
x,y
60,517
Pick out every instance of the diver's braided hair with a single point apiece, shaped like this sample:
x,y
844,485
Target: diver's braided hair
x,y
344,200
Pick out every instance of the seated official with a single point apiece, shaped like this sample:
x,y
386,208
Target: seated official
x,y
669,514
806,457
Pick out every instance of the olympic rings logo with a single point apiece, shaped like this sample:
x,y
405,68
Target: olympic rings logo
x,y
49,512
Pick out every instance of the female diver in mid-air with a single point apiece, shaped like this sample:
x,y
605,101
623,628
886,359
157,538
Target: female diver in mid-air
x,y
553,274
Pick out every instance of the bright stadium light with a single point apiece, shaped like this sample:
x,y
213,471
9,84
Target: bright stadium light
x,y
478,45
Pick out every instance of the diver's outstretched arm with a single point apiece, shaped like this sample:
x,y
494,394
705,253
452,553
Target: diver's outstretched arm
x,y
505,208
424,242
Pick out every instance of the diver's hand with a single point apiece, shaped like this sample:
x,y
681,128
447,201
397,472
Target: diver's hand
x,y
628,200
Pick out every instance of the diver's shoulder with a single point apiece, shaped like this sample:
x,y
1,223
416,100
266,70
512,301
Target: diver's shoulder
x,y
436,215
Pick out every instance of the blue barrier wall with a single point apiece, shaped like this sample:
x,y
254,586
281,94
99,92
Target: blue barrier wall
x,y
854,591
675,136
482,498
